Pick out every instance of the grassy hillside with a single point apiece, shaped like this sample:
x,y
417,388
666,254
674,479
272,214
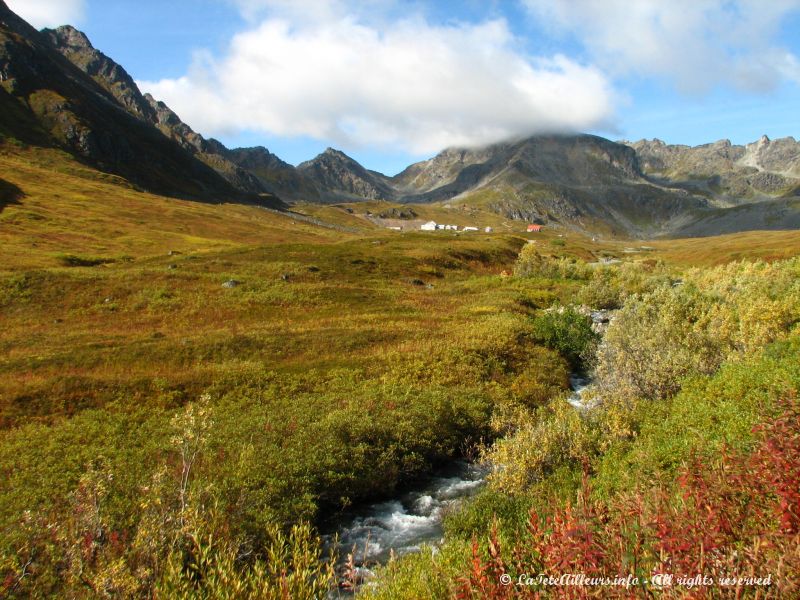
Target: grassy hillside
x,y
63,207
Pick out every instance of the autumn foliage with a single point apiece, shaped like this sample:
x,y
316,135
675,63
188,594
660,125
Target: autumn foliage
x,y
737,518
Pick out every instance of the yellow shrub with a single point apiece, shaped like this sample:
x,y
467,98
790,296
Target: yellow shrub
x,y
553,436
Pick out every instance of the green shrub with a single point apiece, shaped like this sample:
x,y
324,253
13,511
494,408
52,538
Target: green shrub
x,y
610,285
708,413
655,342
545,377
207,567
552,437
569,333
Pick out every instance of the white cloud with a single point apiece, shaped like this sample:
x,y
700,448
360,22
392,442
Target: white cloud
x,y
49,13
697,44
404,84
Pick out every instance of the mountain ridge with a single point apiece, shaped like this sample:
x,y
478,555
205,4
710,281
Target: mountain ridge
x,y
49,100
57,89
726,173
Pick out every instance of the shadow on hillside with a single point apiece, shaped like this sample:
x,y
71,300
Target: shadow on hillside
x,y
9,194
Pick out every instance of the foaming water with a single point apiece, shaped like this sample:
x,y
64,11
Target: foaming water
x,y
584,395
374,532
581,387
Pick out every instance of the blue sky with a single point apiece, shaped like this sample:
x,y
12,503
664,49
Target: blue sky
x,y
393,81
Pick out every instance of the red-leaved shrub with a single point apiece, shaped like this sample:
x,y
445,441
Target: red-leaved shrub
x,y
738,517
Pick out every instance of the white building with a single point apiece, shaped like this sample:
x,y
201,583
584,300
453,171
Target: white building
x,y
468,228
488,230
429,226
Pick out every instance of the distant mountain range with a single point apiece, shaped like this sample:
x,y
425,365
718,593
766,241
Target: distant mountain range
x,y
56,89
728,174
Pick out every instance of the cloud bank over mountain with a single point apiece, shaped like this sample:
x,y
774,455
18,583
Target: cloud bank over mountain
x,y
371,82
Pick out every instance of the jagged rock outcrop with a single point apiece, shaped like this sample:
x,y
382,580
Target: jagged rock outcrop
x,y
76,47
780,157
257,176
211,152
443,169
171,125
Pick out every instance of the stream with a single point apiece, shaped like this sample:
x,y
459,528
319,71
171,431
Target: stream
x,y
580,385
401,525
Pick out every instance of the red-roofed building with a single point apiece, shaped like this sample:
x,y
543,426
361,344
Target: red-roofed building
x,y
534,228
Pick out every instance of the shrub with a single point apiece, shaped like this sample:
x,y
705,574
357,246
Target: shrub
x,y
737,518
530,263
673,332
290,566
708,413
610,285
655,341
545,377
177,541
569,333
73,260
550,438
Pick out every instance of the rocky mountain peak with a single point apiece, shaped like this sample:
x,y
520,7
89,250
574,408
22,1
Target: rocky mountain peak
x,y
331,156
164,114
277,176
256,157
67,36
729,174
5,11
343,178
334,154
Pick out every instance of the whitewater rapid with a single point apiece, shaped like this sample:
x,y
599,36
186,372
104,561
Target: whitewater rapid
x,y
372,533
